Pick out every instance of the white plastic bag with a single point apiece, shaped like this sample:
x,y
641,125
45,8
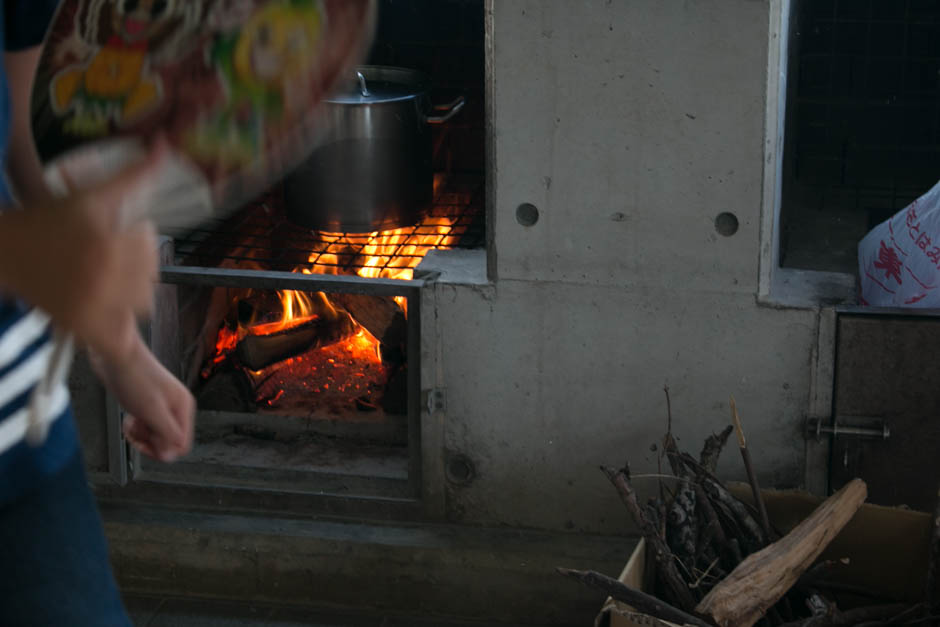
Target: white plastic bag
x,y
899,260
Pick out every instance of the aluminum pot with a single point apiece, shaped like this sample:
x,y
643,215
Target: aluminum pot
x,y
372,170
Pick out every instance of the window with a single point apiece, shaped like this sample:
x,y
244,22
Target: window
x,y
862,124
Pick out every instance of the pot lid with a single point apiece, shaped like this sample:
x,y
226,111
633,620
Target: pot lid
x,y
376,84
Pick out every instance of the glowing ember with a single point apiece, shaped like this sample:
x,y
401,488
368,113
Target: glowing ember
x,y
334,377
225,344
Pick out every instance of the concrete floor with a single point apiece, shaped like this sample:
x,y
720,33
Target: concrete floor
x,y
165,612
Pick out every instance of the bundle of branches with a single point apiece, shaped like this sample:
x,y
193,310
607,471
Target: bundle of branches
x,y
718,561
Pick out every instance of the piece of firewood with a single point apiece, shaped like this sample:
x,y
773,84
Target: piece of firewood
x,y
730,554
764,577
256,352
711,451
642,602
682,525
753,535
665,560
380,315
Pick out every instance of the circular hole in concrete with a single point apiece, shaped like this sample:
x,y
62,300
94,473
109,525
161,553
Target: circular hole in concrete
x,y
527,214
460,469
726,224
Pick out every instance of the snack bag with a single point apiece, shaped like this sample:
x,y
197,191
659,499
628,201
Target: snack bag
x,y
234,85
899,260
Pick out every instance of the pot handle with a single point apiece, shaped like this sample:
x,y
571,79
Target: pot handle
x,y
448,111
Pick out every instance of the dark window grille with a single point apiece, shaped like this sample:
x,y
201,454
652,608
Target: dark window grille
x,y
863,122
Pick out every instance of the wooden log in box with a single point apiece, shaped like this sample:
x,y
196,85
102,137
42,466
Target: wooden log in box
x,y
886,548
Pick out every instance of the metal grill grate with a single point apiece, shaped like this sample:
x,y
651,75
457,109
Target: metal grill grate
x,y
260,237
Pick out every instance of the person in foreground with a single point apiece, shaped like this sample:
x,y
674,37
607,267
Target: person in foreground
x,y
67,263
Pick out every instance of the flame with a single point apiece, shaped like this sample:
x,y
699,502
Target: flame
x,y
225,343
354,366
297,308
383,254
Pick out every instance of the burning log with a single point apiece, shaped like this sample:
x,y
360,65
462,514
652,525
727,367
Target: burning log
x,y
380,316
764,577
257,351
228,389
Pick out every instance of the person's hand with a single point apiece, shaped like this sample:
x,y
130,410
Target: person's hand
x,y
79,262
160,409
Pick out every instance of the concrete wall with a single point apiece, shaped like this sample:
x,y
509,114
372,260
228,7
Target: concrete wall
x,y
630,125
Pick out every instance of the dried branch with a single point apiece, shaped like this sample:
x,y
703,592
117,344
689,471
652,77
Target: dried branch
x,y
641,601
730,554
663,557
712,449
752,533
750,530
749,466
682,525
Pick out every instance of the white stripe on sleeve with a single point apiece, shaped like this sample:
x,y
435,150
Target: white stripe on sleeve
x,y
25,376
21,334
13,429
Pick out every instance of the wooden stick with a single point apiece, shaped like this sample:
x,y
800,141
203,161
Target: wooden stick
x,y
730,558
764,577
754,536
749,466
682,525
642,602
720,494
665,561
711,451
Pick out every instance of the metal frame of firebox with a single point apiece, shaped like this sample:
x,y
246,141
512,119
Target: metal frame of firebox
x,y
313,482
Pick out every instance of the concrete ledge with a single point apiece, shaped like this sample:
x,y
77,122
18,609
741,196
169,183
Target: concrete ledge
x,y
498,575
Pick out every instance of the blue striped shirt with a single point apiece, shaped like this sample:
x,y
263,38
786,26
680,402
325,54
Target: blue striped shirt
x,y
25,336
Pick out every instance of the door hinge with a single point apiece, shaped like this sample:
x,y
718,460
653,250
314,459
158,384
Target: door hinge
x,y
434,400
847,427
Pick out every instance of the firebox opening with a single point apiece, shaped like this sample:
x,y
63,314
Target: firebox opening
x,y
292,383
295,353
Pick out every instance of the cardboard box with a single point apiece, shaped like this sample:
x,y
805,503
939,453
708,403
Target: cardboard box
x,y
887,549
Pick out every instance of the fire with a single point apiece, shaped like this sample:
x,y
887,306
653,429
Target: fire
x,y
297,309
225,344
383,254
351,370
